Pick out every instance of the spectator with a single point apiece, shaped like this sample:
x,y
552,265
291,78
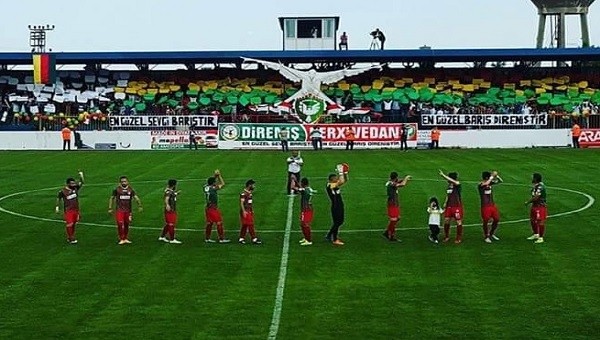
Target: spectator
x,y
377,34
343,41
192,137
316,136
387,109
350,137
284,135
575,133
435,138
66,138
404,138
314,32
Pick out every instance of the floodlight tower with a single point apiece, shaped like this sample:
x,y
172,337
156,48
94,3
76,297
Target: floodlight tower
x,y
37,37
559,9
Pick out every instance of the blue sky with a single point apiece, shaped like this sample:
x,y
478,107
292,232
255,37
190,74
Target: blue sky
x,y
152,25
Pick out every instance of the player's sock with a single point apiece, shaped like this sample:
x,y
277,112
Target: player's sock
x,y
306,232
208,231
125,231
69,230
171,232
120,231
391,229
446,230
329,233
220,231
252,231
486,229
165,230
534,227
541,229
459,231
336,231
494,227
243,231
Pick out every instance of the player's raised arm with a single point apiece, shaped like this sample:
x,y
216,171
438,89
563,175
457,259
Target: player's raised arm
x,y
342,179
342,170
221,182
81,178
497,178
453,181
404,181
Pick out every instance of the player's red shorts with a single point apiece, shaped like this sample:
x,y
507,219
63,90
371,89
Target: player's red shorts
x,y
123,217
393,211
248,219
171,217
538,213
490,212
213,215
306,216
454,212
71,216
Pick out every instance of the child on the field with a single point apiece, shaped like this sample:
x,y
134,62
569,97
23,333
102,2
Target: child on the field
x,y
435,216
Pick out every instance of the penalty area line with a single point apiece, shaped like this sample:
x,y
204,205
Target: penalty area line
x,y
274,328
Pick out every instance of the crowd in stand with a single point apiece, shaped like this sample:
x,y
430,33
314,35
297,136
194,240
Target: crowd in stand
x,y
80,97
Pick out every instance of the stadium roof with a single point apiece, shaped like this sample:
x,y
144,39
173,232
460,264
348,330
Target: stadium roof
x,y
211,57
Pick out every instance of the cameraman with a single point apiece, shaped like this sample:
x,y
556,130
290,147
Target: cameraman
x,y
377,34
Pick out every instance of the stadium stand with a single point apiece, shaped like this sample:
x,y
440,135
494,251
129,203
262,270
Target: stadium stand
x,y
394,95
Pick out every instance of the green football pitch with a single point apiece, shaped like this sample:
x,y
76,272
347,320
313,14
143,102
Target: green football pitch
x,y
369,288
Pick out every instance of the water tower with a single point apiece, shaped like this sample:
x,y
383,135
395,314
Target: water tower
x,y
558,10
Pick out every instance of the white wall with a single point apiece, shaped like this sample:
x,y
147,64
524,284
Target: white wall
x,y
505,138
141,140
51,140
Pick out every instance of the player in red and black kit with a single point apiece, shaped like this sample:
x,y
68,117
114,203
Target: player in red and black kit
x,y
212,212
489,211
122,197
70,197
539,211
453,207
247,214
393,204
170,200
306,210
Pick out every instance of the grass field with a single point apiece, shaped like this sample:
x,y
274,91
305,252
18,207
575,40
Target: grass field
x,y
369,288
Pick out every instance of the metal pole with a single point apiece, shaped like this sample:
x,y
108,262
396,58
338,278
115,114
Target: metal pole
x,y
585,31
562,30
541,31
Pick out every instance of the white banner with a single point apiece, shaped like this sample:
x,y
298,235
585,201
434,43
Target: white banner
x,y
157,122
301,145
484,120
174,139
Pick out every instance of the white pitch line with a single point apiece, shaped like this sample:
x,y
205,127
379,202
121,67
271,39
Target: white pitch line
x,y
285,252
